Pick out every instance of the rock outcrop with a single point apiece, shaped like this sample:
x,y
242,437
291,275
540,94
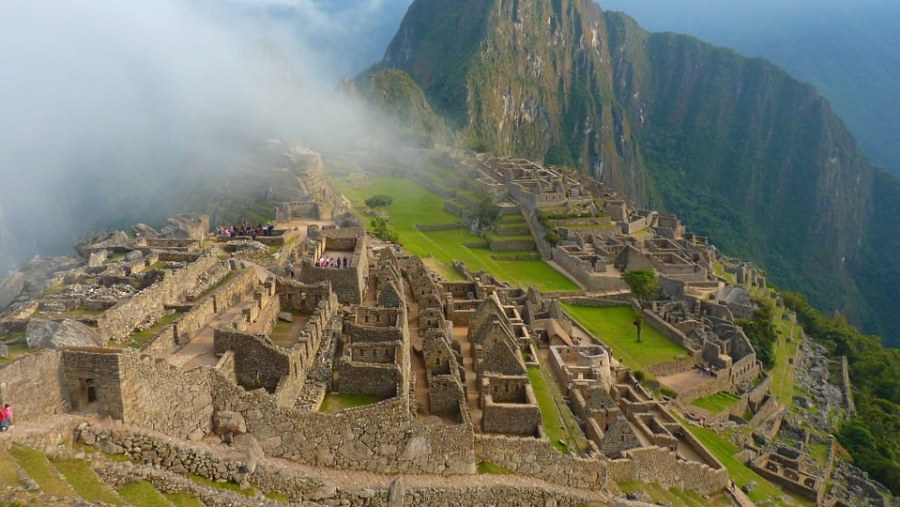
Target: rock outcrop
x,y
51,334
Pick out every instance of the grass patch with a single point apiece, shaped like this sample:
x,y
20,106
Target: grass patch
x,y
415,204
717,402
335,402
9,477
139,338
674,496
223,281
278,497
783,371
486,467
86,483
724,451
183,500
557,419
14,352
42,471
614,326
143,494
54,289
820,452
230,486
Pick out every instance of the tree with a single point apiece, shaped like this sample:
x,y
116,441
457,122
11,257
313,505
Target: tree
x,y
379,201
644,286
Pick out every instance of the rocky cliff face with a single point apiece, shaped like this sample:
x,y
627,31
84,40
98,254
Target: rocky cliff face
x,y
738,148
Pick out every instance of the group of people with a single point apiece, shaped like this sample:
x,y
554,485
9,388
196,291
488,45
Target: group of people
x,y
332,262
707,370
6,417
246,229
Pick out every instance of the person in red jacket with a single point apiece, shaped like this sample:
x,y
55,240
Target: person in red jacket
x,y
4,417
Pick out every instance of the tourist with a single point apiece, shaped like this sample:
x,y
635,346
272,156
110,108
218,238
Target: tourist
x,y
9,415
291,270
4,418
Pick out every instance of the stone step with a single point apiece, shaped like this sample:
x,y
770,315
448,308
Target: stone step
x,y
144,494
10,476
85,481
40,470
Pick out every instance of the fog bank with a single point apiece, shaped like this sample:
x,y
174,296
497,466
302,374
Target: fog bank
x,y
105,105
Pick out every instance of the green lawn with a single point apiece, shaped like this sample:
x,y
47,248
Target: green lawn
x,y
183,500
415,204
335,402
42,471
558,421
783,371
143,494
86,482
15,351
717,402
614,327
230,486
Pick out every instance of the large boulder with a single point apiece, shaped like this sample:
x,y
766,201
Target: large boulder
x,y
10,287
143,231
109,239
51,334
190,225
227,421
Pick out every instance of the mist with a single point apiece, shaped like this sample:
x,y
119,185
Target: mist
x,y
106,105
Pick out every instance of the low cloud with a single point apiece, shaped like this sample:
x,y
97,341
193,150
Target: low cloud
x,y
105,104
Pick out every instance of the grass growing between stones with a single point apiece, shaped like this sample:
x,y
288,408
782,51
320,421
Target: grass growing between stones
x,y
717,402
9,476
183,500
15,351
486,467
335,402
42,471
230,486
278,497
143,494
414,204
724,451
139,338
674,496
558,421
614,326
85,481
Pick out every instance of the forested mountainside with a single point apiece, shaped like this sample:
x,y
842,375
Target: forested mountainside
x,y
739,149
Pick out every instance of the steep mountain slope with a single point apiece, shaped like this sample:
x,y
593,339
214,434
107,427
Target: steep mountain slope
x,y
738,148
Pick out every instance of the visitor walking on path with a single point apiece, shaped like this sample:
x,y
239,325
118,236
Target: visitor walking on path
x,y
6,417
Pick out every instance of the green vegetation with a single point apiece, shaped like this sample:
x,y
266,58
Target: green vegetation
x,y
54,289
873,437
138,338
379,201
143,494
278,497
716,402
644,286
335,402
383,230
761,332
183,500
614,326
8,476
724,451
486,467
41,470
415,204
558,421
85,481
14,351
674,496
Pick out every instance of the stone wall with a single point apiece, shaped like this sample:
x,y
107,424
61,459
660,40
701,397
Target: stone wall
x,y
655,464
256,363
539,459
93,381
157,396
33,386
379,437
119,321
368,378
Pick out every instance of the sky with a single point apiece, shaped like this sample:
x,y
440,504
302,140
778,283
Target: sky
x,y
104,104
